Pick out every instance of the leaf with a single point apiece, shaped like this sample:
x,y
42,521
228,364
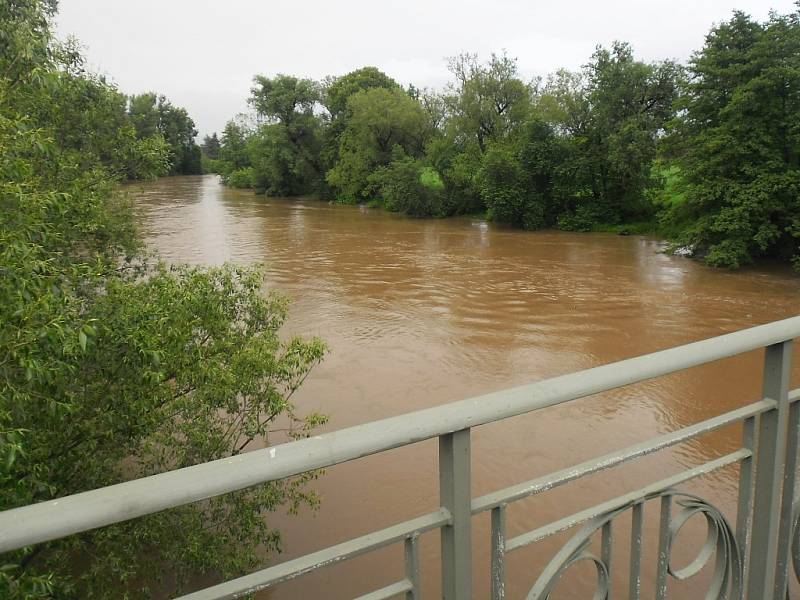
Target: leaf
x,y
82,340
12,453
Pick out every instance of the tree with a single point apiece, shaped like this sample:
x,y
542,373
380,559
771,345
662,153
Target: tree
x,y
457,161
336,91
737,142
486,104
564,104
143,112
233,146
113,366
619,144
27,41
234,163
153,115
488,101
631,103
521,180
285,150
382,122
211,146
178,130
611,117
284,99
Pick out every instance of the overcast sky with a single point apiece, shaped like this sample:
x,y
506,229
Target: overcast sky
x,y
202,54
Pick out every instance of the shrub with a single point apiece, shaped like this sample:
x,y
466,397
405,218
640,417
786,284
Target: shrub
x,y
241,178
409,187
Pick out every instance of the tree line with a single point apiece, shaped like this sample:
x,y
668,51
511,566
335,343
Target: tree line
x,y
155,118
114,365
134,137
704,153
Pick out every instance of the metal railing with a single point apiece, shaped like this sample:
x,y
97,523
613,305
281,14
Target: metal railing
x,y
751,559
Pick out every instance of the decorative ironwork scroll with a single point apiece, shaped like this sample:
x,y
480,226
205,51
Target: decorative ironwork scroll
x,y
720,543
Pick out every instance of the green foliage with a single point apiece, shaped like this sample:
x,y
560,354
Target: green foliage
x,y
240,178
668,197
147,158
27,50
586,216
115,366
737,141
502,187
285,152
631,104
154,115
382,122
210,165
710,159
336,91
284,99
233,154
611,116
521,180
406,185
431,180
211,146
488,101
285,160
458,165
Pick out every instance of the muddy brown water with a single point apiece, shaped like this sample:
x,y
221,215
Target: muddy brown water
x,y
423,312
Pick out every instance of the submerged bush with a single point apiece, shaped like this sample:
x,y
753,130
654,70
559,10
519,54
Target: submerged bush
x,y
408,186
241,178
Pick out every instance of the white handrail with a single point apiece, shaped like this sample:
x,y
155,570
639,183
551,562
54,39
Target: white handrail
x,y
54,519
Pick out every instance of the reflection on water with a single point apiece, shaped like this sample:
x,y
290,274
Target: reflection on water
x,y
422,312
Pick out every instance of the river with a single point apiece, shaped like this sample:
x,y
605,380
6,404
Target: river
x,y
422,312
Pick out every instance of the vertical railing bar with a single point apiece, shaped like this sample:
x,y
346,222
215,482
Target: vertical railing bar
x,y
606,546
663,547
770,453
412,567
744,511
786,525
455,496
635,587
499,552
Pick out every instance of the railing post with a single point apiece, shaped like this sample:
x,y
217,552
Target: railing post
x,y
786,524
770,458
498,575
744,511
635,579
412,567
662,571
456,496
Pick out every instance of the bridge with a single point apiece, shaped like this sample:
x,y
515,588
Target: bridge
x,y
753,554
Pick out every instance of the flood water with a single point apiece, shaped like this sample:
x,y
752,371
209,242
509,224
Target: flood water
x,y
418,313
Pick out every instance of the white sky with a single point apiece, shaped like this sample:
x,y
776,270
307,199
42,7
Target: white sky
x,y
202,54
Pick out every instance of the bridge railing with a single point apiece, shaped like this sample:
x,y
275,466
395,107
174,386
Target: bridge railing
x,y
752,557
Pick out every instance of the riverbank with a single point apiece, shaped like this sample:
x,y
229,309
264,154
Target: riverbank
x,y
651,229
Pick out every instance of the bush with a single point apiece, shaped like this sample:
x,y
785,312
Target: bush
x,y
506,190
585,217
112,366
457,166
241,178
210,165
409,187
